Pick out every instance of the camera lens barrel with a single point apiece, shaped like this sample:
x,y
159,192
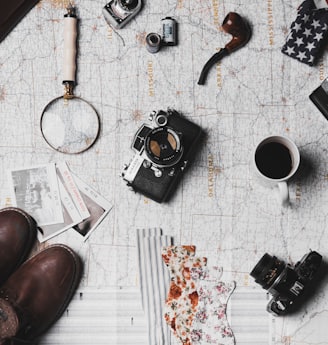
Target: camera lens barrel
x,y
267,270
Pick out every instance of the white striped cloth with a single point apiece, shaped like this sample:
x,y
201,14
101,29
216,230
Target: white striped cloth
x,y
104,316
154,282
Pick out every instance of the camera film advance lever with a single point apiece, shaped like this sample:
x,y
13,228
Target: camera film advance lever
x,y
119,12
284,282
163,149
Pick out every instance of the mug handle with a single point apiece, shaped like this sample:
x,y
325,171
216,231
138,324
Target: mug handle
x,y
283,193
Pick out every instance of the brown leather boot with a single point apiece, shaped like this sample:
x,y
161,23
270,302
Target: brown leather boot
x,y
37,294
17,235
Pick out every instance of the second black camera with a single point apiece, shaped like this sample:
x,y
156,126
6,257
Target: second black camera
x,y
284,282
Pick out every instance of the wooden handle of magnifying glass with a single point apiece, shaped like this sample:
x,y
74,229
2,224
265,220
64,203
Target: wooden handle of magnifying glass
x,y
70,34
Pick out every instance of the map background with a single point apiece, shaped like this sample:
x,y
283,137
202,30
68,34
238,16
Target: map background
x,y
219,206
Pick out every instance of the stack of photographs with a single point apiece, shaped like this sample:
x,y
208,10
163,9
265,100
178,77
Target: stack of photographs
x,y
57,199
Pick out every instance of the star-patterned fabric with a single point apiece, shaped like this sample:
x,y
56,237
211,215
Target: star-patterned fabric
x,y
308,33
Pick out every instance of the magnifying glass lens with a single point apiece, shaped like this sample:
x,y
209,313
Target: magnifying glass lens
x,y
70,125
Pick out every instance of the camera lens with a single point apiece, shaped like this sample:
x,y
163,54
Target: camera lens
x,y
129,4
267,270
163,146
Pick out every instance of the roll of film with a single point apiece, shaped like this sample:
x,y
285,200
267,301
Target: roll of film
x,y
169,27
153,42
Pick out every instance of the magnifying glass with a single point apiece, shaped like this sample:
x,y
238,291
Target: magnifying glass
x,y
69,124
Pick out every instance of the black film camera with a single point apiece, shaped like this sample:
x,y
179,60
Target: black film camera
x,y
285,283
163,151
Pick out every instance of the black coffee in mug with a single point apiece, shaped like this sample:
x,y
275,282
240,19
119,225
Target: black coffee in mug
x,y
273,160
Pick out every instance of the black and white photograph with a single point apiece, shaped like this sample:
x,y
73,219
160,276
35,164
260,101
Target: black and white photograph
x,y
97,205
35,190
70,214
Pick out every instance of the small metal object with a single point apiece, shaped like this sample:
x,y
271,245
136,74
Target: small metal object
x,y
146,164
152,115
153,42
171,172
169,26
158,173
183,167
161,120
118,13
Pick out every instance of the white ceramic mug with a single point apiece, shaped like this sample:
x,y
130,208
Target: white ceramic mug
x,y
276,159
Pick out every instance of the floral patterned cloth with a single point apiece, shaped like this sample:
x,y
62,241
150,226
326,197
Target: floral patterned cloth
x,y
196,303
182,300
210,324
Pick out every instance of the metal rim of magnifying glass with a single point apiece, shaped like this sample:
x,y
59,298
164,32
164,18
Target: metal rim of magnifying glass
x,y
96,118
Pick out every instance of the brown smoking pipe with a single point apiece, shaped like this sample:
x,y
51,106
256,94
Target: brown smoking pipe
x,y
236,26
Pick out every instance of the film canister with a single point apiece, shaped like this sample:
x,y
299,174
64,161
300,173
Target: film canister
x,y
169,26
153,42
